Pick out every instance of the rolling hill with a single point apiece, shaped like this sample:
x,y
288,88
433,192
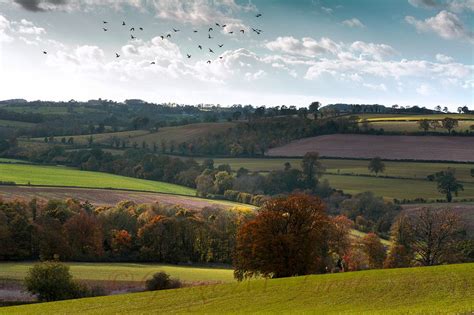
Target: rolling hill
x,y
423,290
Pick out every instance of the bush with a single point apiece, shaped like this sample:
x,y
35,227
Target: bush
x,y
162,281
52,281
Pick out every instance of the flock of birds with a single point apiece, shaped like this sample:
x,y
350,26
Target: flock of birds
x,y
174,30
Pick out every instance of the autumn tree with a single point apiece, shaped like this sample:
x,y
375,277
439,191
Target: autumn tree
x,y
288,237
374,249
449,124
85,236
424,124
376,165
312,169
448,184
401,239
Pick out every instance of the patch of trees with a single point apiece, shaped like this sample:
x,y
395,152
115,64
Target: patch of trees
x,y
447,123
71,230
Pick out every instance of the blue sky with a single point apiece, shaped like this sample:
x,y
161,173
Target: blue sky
x,y
402,52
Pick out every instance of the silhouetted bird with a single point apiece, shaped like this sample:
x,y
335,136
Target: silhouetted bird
x,y
210,50
210,29
162,37
189,56
200,47
105,30
256,31
242,31
175,30
152,63
132,37
105,22
258,15
221,45
117,55
231,32
209,62
132,29
221,57
224,25
45,52
123,23
209,35
195,31
168,36
217,24
141,28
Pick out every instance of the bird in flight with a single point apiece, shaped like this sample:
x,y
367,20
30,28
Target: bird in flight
x,y
162,37
175,30
132,37
168,36
210,50
105,30
123,23
200,47
210,29
153,63
256,31
141,28
221,57
45,52
231,32
258,15
217,24
224,25
189,56
105,22
132,29
195,31
221,45
117,55
209,36
242,31
209,62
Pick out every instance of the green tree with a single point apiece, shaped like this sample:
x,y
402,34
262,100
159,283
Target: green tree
x,y
424,124
223,181
448,184
449,124
314,109
312,169
376,165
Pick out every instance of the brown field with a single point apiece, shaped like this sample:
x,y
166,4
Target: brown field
x,y
464,210
432,148
104,197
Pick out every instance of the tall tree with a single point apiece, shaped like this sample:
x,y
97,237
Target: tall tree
x,y
449,124
312,169
448,184
376,165
424,124
374,249
314,109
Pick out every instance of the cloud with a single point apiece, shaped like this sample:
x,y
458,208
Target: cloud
x,y
424,89
443,58
376,87
353,23
427,4
40,5
372,51
307,46
27,27
446,24
451,5
327,10
5,29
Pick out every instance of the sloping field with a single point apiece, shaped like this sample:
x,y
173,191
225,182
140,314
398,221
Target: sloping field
x,y
413,117
104,197
412,126
63,176
445,289
433,148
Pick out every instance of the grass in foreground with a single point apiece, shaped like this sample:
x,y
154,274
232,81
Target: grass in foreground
x,y
124,272
441,289
64,176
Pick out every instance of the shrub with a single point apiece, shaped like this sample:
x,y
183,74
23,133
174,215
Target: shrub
x,y
52,281
162,281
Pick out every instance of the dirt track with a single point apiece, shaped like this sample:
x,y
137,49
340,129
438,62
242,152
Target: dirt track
x,y
105,197
433,148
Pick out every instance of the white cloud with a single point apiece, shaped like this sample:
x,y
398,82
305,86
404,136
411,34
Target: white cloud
x,y
307,46
444,59
445,24
327,10
28,28
451,5
424,89
5,29
376,87
372,51
354,22
252,76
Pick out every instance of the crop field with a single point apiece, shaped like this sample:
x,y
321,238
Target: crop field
x,y
177,134
412,126
422,290
103,197
434,148
64,176
394,188
401,117
124,272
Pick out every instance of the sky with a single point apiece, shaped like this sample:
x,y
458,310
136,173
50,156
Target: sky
x,y
404,52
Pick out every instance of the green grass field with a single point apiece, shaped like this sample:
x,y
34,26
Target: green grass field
x,y
64,176
401,117
412,126
445,289
124,272
15,124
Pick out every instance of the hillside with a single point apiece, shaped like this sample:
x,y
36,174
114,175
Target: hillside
x,y
449,289
64,176
387,147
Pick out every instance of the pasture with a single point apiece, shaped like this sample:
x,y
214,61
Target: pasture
x,y
65,176
421,290
432,148
413,117
15,124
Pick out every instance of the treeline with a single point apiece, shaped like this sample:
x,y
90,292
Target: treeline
x,y
71,230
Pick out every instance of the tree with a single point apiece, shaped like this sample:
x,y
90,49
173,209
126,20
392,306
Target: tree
x,y
51,281
162,281
424,124
223,181
374,249
448,184
204,184
288,237
376,165
433,234
314,108
401,252
312,169
449,124
472,172
438,108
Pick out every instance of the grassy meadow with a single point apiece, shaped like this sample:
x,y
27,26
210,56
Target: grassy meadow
x,y
133,272
423,290
65,176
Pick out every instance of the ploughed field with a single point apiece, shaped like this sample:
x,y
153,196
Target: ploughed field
x,y
428,148
423,290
